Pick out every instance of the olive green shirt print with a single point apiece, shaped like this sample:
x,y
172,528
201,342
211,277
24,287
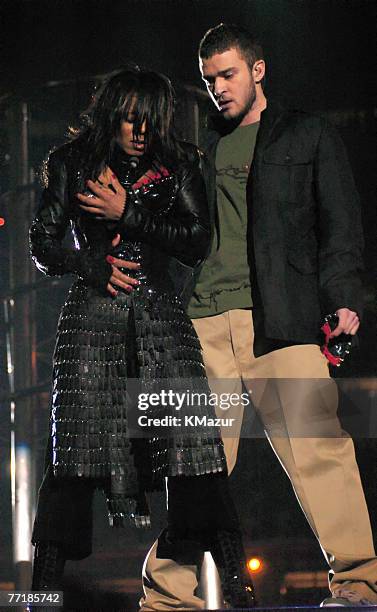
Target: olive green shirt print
x,y
224,282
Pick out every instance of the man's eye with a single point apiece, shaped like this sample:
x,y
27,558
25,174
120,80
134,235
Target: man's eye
x,y
228,75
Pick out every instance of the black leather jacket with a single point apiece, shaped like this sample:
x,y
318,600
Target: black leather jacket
x,y
167,219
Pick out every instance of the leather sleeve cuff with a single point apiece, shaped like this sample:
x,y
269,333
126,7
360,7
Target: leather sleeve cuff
x,y
91,266
132,217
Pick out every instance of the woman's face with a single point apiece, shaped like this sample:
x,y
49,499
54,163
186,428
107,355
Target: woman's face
x,y
132,144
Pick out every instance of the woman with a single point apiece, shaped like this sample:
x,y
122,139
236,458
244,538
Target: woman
x,y
135,201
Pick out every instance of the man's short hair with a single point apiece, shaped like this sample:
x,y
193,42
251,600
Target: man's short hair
x,y
226,36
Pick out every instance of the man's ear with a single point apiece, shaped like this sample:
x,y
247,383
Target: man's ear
x,y
259,70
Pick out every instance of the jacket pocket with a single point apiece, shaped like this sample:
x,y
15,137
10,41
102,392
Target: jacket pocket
x,y
287,157
287,178
292,167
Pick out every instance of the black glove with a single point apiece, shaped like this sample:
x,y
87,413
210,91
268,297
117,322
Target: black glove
x,y
92,267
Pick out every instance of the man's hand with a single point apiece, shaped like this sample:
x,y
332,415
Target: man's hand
x,y
348,322
118,278
107,201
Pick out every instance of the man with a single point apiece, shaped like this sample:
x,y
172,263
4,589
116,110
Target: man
x,y
286,250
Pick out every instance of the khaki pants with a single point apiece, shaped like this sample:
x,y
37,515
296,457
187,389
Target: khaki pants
x,y
300,420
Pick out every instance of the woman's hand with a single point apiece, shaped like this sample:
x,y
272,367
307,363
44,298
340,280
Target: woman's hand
x,y
118,278
107,202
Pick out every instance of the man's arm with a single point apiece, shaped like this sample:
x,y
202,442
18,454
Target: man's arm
x,y
340,232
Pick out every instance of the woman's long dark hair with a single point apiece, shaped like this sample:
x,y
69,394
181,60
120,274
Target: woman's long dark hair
x,y
150,96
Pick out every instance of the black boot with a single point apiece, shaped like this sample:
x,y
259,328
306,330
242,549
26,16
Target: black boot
x,y
48,568
229,556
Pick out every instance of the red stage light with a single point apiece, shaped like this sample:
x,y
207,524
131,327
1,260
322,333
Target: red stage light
x,y
2,221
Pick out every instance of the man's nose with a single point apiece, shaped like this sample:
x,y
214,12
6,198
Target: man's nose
x,y
219,87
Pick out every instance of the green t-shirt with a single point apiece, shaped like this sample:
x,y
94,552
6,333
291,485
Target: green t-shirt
x,y
224,282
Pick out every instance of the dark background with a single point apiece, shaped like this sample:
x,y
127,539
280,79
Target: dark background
x,y
320,53
320,57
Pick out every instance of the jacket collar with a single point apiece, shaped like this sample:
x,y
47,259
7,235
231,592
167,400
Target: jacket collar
x,y
269,118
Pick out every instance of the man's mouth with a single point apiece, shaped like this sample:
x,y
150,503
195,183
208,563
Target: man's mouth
x,y
224,105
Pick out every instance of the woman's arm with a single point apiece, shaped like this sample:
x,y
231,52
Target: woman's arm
x,y
50,225
183,233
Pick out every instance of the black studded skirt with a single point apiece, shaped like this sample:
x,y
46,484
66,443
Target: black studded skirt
x,y
103,345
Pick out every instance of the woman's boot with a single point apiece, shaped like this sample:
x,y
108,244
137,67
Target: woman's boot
x,y
229,556
48,571
48,566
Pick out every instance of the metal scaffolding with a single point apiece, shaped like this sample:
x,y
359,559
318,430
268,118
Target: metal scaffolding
x,y
19,315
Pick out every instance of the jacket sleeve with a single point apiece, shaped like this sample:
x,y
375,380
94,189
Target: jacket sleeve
x,y
49,227
340,229
184,231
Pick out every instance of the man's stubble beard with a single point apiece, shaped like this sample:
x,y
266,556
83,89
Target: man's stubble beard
x,y
236,119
